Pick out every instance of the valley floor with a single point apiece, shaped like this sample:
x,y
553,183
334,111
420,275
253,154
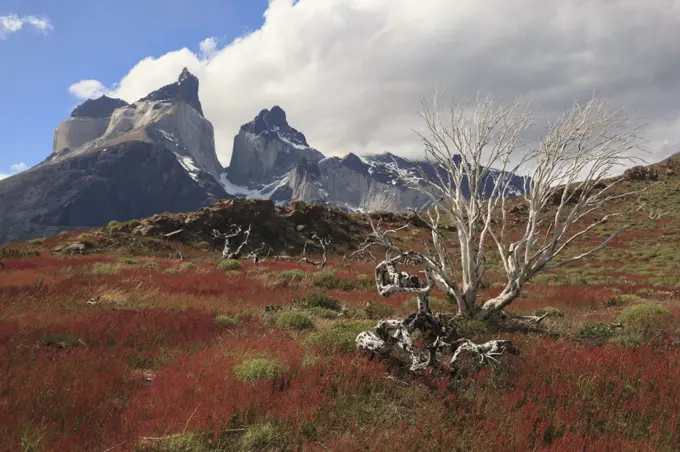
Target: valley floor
x,y
112,352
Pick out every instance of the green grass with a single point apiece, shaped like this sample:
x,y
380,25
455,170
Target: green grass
x,y
294,320
338,338
229,264
266,437
318,299
105,269
258,369
225,320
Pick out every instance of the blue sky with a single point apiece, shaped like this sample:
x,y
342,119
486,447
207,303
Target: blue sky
x,y
99,40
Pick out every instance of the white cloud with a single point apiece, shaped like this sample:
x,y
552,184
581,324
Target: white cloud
x,y
351,73
208,47
88,89
13,23
14,169
19,167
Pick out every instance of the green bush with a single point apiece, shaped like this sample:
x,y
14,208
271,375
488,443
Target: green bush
x,y
181,442
105,269
294,320
229,264
378,311
319,299
266,437
225,320
549,311
324,313
326,279
258,369
339,337
293,275
203,245
597,330
132,224
644,318
113,226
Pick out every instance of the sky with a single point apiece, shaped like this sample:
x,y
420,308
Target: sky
x,y
350,73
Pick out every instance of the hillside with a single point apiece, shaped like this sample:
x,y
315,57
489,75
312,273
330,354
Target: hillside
x,y
130,348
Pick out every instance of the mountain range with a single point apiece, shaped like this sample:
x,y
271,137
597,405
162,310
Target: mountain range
x,y
117,161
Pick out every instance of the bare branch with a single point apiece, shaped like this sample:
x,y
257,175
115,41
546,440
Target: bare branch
x,y
226,252
323,243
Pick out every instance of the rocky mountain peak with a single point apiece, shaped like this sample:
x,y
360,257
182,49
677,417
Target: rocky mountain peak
x,y
272,122
185,89
102,107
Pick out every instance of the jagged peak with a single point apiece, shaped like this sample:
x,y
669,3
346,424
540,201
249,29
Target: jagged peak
x,y
274,121
101,107
185,89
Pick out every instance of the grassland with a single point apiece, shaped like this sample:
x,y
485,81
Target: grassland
x,y
192,355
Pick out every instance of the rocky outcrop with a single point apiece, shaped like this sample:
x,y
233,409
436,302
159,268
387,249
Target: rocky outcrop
x,y
266,150
285,229
114,161
184,90
132,180
171,116
101,107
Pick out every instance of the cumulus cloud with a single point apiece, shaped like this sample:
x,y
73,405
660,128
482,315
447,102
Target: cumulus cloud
x,y
19,167
14,169
88,89
351,73
13,23
208,47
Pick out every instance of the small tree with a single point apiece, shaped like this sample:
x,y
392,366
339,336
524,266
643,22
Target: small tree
x,y
474,157
565,184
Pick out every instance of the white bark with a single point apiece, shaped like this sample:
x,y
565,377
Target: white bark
x,y
323,243
569,166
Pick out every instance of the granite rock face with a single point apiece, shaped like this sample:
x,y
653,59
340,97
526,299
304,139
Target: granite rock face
x,y
273,160
132,180
266,149
117,161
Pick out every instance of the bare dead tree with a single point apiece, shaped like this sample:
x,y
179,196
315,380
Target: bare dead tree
x,y
323,243
227,236
257,255
377,237
566,178
396,334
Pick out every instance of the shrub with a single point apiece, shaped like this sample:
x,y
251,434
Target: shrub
x,y
549,311
339,337
319,299
105,269
644,318
324,313
268,436
113,226
181,442
326,279
294,320
258,369
229,264
293,275
377,311
203,245
597,330
225,320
